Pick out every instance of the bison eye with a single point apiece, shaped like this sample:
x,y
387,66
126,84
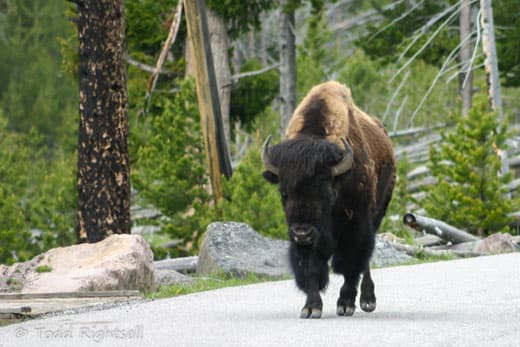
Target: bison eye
x,y
283,194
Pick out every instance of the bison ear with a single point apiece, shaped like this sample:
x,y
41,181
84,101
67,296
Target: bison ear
x,y
271,177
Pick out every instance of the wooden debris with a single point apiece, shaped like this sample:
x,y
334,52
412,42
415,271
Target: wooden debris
x,y
435,227
97,294
184,265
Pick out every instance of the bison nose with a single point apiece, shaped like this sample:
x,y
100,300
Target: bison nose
x,y
302,234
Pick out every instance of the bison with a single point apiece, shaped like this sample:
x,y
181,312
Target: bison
x,y
336,173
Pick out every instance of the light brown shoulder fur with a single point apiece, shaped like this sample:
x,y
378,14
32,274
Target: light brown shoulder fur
x,y
329,112
337,102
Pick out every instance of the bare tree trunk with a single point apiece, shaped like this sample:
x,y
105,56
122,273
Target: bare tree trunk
x,y
491,66
188,50
103,165
491,62
436,227
220,48
466,74
287,51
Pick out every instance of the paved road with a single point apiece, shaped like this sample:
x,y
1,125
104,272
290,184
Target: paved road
x,y
473,302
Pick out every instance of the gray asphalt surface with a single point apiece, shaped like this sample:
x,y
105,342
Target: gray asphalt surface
x,y
471,302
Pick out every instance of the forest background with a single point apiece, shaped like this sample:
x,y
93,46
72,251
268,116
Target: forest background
x,y
368,45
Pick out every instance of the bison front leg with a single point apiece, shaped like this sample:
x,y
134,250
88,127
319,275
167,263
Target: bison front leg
x,y
311,275
367,300
346,304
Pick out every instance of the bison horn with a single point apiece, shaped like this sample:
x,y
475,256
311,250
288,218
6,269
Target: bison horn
x,y
346,163
265,157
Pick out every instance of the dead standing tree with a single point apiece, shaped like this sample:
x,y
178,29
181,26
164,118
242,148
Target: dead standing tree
x,y
287,53
103,165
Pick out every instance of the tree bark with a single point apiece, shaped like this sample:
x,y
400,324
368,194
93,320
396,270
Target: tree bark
x,y
217,156
439,228
492,77
103,164
287,52
220,49
466,74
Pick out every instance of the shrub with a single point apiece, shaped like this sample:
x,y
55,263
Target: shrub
x,y
470,192
249,198
35,193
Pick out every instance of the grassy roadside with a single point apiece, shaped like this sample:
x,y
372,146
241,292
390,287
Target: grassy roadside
x,y
202,284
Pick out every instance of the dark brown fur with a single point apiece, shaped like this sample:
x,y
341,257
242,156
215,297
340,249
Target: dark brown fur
x,y
337,216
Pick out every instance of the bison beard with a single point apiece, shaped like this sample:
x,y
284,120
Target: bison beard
x,y
334,198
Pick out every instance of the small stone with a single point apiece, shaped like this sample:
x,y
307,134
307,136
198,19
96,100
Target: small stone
x,y
171,277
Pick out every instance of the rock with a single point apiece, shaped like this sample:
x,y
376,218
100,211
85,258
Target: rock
x,y
465,246
236,249
170,277
120,262
387,236
385,254
496,243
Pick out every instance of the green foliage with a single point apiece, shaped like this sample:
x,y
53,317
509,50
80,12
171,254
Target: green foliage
x,y
205,284
148,22
392,222
316,58
52,208
470,191
34,194
33,92
251,95
16,239
250,199
386,41
43,268
507,27
241,15
170,165
169,170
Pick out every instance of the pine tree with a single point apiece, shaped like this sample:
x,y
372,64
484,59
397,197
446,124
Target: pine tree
x,y
470,192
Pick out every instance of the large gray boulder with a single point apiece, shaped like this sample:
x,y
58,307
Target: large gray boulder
x,y
236,249
120,262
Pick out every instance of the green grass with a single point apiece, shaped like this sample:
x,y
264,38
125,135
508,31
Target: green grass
x,y
43,268
203,284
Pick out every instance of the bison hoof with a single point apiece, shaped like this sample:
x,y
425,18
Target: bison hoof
x,y
368,306
347,311
308,312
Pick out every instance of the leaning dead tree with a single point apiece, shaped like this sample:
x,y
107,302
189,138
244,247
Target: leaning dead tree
x,y
217,156
438,228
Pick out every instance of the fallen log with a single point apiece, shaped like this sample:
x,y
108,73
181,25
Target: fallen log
x,y
183,265
436,227
415,251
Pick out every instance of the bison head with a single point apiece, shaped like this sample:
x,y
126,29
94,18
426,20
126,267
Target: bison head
x,y
305,169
